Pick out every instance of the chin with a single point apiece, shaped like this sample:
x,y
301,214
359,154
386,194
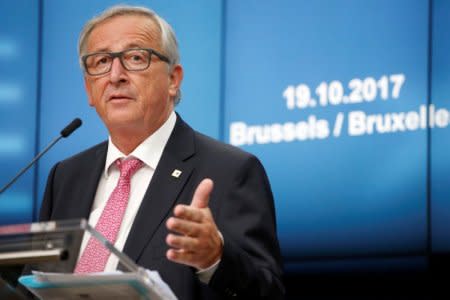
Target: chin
x,y
121,121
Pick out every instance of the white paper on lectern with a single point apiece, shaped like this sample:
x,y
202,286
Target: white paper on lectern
x,y
53,285
160,286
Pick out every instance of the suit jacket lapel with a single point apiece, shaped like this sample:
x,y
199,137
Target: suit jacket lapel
x,y
89,183
164,188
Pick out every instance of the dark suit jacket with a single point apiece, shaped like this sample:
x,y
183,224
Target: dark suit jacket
x,y
241,203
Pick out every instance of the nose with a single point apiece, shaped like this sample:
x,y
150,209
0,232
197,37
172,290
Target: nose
x,y
118,73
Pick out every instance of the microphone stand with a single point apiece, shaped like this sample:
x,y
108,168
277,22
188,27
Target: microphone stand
x,y
64,133
6,186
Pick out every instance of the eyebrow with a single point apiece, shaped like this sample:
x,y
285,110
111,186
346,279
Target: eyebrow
x,y
129,46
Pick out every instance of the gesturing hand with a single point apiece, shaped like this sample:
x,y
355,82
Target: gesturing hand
x,y
197,242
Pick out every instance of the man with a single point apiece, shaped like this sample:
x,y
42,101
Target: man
x,y
197,211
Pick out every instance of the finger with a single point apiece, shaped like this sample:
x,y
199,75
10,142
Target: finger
x,y
183,226
202,193
188,213
182,242
181,256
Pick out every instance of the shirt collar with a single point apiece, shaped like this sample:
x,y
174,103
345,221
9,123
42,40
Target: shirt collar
x,y
149,151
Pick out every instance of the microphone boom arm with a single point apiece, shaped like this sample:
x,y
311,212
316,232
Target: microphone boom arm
x,y
64,133
4,188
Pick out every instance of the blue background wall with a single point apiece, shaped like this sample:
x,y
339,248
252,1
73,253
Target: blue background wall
x,y
283,80
19,75
337,195
439,139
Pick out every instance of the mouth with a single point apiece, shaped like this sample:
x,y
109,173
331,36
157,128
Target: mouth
x,y
119,98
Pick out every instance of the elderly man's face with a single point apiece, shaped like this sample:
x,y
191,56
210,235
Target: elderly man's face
x,y
131,100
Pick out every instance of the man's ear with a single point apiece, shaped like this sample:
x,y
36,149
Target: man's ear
x,y
87,86
176,77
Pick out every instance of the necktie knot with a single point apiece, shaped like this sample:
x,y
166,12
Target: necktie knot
x,y
128,167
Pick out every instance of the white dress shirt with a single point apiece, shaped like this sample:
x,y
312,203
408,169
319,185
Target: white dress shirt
x,y
149,152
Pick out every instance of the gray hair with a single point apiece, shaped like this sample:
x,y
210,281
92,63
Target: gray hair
x,y
169,42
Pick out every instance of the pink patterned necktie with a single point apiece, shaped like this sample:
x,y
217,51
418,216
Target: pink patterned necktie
x,y
95,255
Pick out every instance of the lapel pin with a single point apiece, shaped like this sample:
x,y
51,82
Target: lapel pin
x,y
176,173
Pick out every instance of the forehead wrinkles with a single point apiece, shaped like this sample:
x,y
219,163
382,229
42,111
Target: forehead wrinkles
x,y
149,30
144,31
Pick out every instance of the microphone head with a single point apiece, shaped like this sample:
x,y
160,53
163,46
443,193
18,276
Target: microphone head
x,y
71,127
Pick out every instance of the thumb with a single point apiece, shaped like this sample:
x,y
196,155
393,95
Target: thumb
x,y
202,193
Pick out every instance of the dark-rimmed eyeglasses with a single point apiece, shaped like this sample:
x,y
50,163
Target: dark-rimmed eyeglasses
x,y
136,59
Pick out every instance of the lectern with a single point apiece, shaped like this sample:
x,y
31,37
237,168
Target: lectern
x,y
36,260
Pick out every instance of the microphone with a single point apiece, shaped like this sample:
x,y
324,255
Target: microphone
x,y
63,134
